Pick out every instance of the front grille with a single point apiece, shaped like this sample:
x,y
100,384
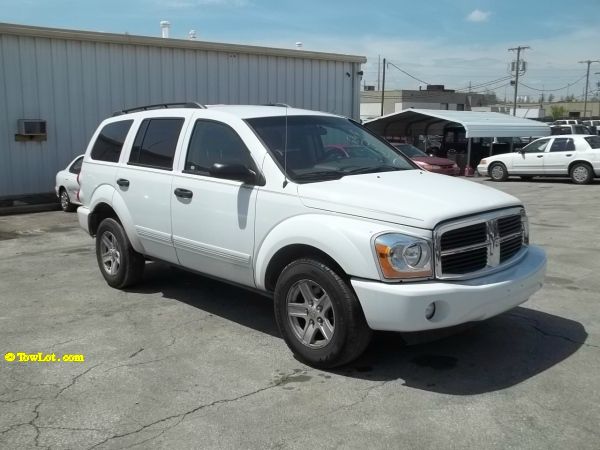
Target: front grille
x,y
461,237
479,244
465,262
510,247
509,225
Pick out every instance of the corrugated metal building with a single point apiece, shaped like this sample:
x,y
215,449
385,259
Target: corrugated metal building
x,y
74,79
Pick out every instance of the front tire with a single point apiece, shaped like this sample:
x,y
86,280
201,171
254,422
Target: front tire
x,y
498,172
581,173
120,264
319,316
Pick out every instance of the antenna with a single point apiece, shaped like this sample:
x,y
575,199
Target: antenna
x,y
285,180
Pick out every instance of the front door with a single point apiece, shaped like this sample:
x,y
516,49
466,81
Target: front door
x,y
558,158
530,160
213,218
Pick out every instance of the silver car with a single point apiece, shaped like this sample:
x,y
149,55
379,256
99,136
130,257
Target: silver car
x,y
67,185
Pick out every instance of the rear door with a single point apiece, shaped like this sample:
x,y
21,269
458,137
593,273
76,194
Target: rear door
x,y
144,183
560,153
530,160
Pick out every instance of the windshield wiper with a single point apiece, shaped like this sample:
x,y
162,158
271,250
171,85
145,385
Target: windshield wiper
x,y
320,175
372,169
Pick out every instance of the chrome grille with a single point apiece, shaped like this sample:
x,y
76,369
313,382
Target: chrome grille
x,y
478,245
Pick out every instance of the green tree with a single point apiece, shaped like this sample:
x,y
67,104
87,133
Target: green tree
x,y
557,112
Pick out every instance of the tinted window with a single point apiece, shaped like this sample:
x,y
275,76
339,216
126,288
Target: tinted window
x,y
110,141
536,147
578,129
215,142
76,166
156,142
594,141
562,145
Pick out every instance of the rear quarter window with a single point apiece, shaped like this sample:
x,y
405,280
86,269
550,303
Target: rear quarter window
x,y
109,142
594,141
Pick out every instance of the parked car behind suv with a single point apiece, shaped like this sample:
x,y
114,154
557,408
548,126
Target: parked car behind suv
x,y
67,185
346,242
574,155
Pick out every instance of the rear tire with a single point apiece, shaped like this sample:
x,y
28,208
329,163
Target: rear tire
x,y
581,173
498,172
119,263
65,201
319,316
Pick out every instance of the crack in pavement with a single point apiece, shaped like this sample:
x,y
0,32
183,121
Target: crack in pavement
x,y
536,326
183,415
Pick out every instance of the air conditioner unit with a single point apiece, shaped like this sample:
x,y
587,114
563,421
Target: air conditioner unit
x,y
31,127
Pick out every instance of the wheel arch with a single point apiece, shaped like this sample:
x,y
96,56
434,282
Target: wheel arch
x,y
293,252
113,206
343,242
580,161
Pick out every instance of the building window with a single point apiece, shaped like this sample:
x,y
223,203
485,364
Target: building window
x,y
460,107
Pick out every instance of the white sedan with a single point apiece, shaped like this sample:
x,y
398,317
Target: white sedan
x,y
573,155
67,185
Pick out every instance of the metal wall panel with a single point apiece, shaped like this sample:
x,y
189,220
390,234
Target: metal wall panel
x,y
74,84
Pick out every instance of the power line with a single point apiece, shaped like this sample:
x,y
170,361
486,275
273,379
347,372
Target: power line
x,y
406,73
554,90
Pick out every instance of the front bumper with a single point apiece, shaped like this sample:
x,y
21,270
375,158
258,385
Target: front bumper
x,y
483,170
401,307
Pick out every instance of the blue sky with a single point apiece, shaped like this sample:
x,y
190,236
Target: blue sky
x,y
447,42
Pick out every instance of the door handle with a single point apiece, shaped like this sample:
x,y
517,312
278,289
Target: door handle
x,y
123,182
540,156
183,193
568,155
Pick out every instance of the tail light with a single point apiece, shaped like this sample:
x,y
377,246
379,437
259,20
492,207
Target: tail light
x,y
79,183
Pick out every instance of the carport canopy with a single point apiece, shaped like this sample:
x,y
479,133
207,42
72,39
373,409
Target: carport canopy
x,y
413,122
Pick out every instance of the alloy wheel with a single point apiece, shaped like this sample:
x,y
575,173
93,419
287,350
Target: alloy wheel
x,y
110,252
580,174
310,314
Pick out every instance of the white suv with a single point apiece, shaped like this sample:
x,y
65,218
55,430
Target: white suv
x,y
342,230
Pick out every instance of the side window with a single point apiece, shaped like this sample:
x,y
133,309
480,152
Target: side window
x,y
110,141
155,143
215,142
536,147
76,166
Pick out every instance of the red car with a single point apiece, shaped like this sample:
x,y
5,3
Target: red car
x,y
429,163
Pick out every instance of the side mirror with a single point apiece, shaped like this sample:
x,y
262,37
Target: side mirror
x,y
234,171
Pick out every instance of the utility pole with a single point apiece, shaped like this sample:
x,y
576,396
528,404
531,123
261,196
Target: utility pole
x,y
378,71
597,93
383,86
587,82
517,68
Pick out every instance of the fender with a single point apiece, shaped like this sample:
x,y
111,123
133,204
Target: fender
x,y
345,239
109,195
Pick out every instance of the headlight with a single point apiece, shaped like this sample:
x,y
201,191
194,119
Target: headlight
x,y
525,225
483,162
403,257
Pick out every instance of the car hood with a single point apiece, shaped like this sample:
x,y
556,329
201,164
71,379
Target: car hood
x,y
413,197
434,160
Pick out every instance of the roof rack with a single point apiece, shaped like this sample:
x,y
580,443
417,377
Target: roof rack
x,y
283,105
161,106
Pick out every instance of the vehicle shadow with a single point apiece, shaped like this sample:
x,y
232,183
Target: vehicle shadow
x,y
485,357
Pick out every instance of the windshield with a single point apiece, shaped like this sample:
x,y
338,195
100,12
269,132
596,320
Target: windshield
x,y
323,148
410,150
